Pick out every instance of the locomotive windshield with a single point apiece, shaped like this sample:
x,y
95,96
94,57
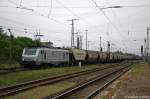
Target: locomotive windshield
x,y
30,51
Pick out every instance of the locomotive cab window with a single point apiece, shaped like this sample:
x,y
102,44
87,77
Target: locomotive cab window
x,y
30,51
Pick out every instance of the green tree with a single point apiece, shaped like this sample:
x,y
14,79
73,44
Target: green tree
x,y
17,44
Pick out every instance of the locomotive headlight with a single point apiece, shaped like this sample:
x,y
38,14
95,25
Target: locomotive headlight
x,y
35,59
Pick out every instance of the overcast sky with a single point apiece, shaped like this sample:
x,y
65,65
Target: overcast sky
x,y
111,24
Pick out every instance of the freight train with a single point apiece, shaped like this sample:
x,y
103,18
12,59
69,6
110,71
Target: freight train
x,y
56,57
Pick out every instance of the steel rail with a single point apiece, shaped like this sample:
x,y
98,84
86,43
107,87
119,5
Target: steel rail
x,y
11,90
97,91
77,88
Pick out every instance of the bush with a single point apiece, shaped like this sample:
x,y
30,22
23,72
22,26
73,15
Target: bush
x,y
15,45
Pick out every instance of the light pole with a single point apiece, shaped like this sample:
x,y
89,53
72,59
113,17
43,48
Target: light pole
x,y
88,45
100,45
111,7
10,46
72,32
86,38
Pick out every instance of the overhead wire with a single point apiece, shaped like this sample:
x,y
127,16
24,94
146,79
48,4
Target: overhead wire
x,y
27,25
45,16
89,7
20,3
28,31
95,3
137,6
50,9
115,15
105,15
67,7
113,12
23,30
72,12
12,2
39,14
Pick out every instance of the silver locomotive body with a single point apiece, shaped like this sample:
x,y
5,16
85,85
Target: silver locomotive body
x,y
38,56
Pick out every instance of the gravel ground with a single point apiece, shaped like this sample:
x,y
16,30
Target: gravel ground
x,y
133,85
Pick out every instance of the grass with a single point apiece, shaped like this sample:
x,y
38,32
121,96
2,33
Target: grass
x,y
136,82
127,82
23,76
40,92
139,69
13,65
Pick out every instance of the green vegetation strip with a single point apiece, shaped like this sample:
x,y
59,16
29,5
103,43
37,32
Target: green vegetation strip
x,y
23,76
139,70
135,83
7,66
40,92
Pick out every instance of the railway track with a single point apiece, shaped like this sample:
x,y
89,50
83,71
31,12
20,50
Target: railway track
x,y
11,90
105,84
91,88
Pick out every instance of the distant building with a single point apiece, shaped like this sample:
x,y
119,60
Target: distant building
x,y
47,44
